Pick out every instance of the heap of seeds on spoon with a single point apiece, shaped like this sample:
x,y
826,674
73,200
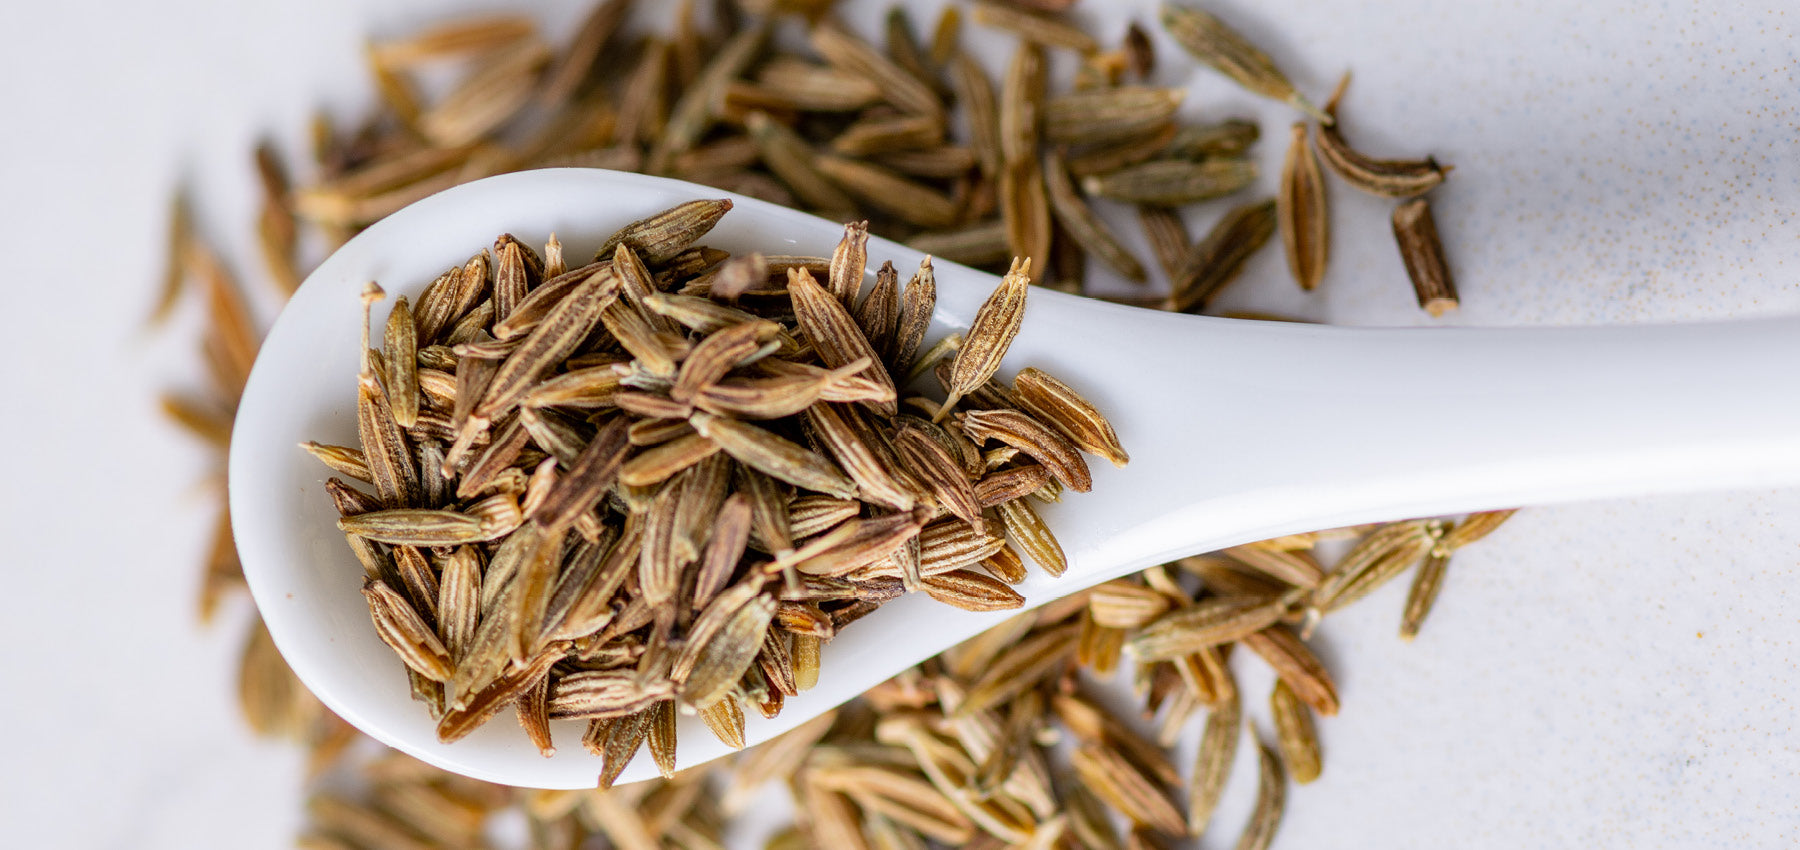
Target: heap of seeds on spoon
x,y
912,135
667,476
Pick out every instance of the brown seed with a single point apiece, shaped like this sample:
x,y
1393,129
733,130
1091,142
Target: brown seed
x,y
1290,658
401,628
1018,430
910,201
1423,255
1209,40
1387,178
832,331
917,303
1304,219
1106,158
1271,799
1109,115
1172,182
1054,403
1212,763
853,55
1423,593
991,332
1295,734
693,113
1115,780
1209,622
552,341
972,591
774,456
1080,221
1474,527
1037,27
659,238
593,472
1216,259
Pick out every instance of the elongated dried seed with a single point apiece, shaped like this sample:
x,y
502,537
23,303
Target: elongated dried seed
x,y
1423,254
1217,258
1387,178
1209,40
1305,221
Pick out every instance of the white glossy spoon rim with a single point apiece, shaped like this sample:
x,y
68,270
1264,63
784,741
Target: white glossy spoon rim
x,y
1421,422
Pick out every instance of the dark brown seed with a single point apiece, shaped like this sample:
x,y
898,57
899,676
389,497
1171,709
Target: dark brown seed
x,y
1423,255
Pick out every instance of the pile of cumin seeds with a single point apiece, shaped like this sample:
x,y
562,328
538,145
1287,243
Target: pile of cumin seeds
x,y
661,480
834,127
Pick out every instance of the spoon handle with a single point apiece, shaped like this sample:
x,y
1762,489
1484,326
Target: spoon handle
x,y
1241,430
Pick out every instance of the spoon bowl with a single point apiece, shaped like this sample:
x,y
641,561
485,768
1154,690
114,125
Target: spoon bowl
x,y
1237,430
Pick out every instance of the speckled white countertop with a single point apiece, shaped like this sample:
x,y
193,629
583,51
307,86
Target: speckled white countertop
x,y
1614,674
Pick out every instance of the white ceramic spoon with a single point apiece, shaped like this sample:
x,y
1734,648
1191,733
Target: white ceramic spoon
x,y
1237,431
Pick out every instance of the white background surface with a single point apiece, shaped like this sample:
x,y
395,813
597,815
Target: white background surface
x,y
1618,674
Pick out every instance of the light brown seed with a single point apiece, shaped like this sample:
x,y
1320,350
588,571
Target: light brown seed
x,y
1020,667
851,54
659,238
400,627
1172,182
1294,733
1212,763
1297,568
270,697
551,342
342,459
1271,800
498,88
1474,527
917,303
797,84
1115,780
1209,622
913,202
786,154
991,332
1305,221
1028,534
858,451
1109,115
1081,223
458,37
418,527
583,55
1379,556
693,112
734,647
1423,593
1054,403
1423,254
832,331
774,456
1209,40
1123,604
1018,430
1217,258
1291,660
